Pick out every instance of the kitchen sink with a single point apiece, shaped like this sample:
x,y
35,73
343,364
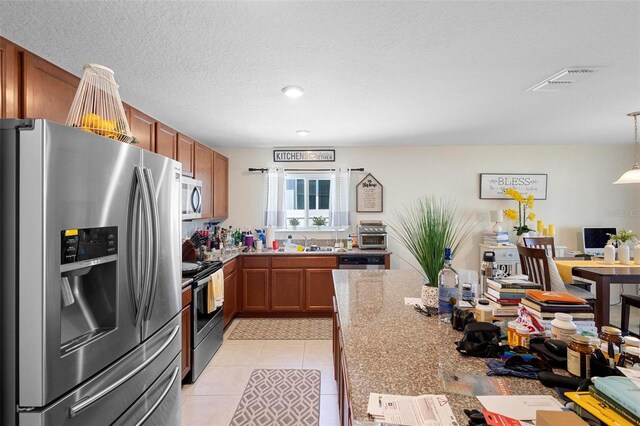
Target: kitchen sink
x,y
319,249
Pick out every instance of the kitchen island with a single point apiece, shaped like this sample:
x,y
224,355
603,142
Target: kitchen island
x,y
384,346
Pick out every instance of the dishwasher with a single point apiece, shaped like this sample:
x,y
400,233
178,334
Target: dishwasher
x,y
364,261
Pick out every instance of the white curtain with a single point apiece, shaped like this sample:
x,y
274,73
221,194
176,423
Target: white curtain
x,y
339,198
274,208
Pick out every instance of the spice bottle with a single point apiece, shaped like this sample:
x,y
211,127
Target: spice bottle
x,y
563,327
522,336
579,356
484,312
512,338
612,335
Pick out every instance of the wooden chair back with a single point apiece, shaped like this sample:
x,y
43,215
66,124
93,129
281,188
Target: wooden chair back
x,y
547,243
535,264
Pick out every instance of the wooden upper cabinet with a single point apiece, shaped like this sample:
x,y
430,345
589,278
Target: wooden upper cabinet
x,y
166,141
186,147
9,80
220,186
143,128
203,168
48,90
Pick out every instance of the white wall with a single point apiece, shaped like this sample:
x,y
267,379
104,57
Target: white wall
x,y
580,190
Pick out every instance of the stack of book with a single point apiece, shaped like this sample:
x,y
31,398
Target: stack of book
x,y
496,238
543,305
504,294
615,400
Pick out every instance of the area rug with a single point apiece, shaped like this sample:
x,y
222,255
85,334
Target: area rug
x,y
282,329
280,397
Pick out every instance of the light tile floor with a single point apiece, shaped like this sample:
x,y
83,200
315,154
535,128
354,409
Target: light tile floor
x,y
212,400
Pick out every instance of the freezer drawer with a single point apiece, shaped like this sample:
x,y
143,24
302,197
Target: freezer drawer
x,y
160,405
108,395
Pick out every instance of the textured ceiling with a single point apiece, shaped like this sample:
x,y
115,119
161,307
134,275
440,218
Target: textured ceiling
x,y
375,73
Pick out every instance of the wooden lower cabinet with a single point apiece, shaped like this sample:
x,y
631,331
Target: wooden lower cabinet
x,y
255,290
319,290
340,373
186,331
287,289
230,305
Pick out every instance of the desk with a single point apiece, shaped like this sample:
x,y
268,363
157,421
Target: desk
x,y
603,278
383,346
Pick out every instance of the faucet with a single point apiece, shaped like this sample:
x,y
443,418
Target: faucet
x,y
305,240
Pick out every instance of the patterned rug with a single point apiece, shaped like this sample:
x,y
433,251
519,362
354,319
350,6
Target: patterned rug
x,y
280,397
283,329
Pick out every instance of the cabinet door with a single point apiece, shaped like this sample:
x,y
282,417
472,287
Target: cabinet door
x,y
185,154
203,161
229,307
255,289
143,129
48,90
9,80
166,141
319,285
220,186
287,289
186,340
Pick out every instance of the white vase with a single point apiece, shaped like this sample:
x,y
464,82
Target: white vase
x,y
429,296
522,237
609,254
623,254
636,254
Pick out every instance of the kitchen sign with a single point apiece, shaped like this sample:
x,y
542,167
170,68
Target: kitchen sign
x,y
493,185
295,155
369,195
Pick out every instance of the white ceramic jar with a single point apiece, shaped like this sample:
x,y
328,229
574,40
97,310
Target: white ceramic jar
x,y
623,254
563,327
609,254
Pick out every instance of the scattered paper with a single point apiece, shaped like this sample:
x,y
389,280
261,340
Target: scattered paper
x,y
472,384
413,301
423,410
631,373
519,407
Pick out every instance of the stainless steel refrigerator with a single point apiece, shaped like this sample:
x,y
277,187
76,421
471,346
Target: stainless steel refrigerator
x,y
90,279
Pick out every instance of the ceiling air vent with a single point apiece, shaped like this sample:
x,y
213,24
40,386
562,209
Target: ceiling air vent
x,y
563,79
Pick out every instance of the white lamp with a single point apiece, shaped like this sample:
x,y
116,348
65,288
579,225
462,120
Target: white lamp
x,y
633,175
497,216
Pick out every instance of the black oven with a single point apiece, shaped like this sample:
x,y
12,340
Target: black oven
x,y
207,325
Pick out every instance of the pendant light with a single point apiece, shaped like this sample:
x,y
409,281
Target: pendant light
x,y
633,175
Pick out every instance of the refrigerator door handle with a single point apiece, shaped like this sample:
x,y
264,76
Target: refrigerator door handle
x,y
151,188
161,398
89,400
133,243
149,237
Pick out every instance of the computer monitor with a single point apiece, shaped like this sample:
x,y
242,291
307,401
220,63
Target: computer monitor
x,y
594,240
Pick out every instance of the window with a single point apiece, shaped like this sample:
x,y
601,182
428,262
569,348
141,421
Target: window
x,y
307,196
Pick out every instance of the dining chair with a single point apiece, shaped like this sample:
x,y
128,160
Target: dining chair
x,y
540,268
547,243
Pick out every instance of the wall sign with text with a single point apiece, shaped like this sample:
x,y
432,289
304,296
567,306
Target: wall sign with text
x,y
492,185
294,155
369,195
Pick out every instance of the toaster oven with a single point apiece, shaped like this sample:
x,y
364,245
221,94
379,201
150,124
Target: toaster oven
x,y
372,235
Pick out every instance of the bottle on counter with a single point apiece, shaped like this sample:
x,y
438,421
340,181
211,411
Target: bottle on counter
x,y
449,290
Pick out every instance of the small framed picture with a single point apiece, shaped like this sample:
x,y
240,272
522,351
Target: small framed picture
x,y
369,195
493,185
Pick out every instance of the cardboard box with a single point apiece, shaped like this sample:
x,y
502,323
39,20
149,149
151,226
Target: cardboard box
x,y
555,418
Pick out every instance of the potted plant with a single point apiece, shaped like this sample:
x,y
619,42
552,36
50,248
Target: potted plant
x,y
294,222
520,216
425,228
318,221
620,240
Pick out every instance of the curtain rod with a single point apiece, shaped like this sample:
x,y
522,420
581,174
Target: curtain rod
x,y
263,170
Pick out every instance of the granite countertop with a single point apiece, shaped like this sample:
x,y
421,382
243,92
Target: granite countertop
x,y
390,348
269,252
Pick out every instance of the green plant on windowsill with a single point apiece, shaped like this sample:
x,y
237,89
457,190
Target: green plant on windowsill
x,y
318,221
294,222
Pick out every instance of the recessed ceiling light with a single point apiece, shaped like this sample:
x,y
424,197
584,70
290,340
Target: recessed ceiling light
x,y
293,91
303,132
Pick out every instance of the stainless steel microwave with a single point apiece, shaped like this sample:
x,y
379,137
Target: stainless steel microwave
x,y
191,205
